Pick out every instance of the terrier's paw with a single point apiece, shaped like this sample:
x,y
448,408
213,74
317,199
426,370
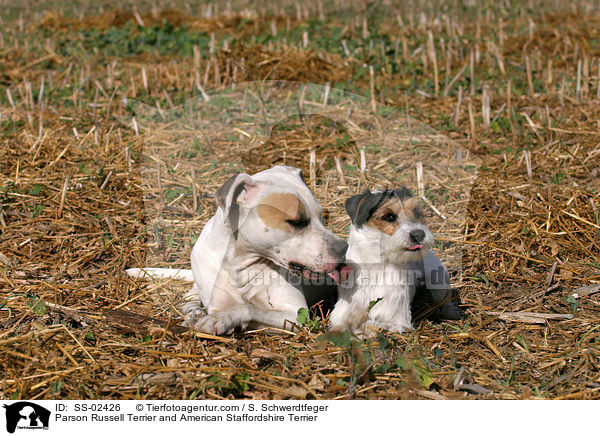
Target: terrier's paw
x,y
373,327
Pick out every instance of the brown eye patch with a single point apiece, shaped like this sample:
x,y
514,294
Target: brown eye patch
x,y
391,213
386,217
413,210
283,211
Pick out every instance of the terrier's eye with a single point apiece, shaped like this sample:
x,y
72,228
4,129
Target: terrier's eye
x,y
300,223
390,217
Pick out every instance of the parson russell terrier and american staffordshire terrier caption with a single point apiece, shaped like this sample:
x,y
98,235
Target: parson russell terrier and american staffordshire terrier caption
x,y
266,253
249,261
393,271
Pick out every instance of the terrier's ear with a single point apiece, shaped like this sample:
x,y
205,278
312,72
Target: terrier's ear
x,y
403,193
238,190
358,208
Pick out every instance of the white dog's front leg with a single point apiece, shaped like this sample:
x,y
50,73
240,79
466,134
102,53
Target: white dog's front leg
x,y
241,315
342,316
282,319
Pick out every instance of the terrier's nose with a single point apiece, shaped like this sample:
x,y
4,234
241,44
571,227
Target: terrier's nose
x,y
417,236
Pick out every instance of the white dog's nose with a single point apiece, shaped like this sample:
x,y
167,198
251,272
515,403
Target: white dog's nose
x,y
338,248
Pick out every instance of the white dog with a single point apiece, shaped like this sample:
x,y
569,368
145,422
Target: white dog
x,y
251,256
390,262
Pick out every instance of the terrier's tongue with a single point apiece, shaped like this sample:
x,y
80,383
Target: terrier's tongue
x,y
415,247
340,274
345,273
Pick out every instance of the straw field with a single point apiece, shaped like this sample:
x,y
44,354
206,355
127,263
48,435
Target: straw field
x,y
501,102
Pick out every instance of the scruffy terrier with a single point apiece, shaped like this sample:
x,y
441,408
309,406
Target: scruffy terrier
x,y
394,272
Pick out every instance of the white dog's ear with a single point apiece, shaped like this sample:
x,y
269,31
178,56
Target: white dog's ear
x,y
227,194
294,170
238,190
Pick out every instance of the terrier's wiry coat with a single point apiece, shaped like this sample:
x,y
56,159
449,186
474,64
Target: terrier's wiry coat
x,y
389,253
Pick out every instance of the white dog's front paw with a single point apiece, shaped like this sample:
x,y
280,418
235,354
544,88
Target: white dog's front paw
x,y
216,324
192,312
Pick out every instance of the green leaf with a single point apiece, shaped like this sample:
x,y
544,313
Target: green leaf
x,y
36,303
424,373
303,315
56,387
239,382
83,169
573,301
36,189
37,209
402,363
214,379
374,302
419,368
340,339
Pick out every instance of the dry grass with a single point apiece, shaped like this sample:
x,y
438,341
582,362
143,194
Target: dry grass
x,y
240,23
82,199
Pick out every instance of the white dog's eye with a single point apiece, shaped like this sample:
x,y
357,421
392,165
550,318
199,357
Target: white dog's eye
x,y
390,217
299,223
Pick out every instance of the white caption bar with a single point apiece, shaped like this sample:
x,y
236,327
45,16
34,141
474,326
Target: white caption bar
x,y
170,418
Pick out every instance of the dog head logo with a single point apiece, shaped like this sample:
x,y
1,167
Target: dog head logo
x,y
26,415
